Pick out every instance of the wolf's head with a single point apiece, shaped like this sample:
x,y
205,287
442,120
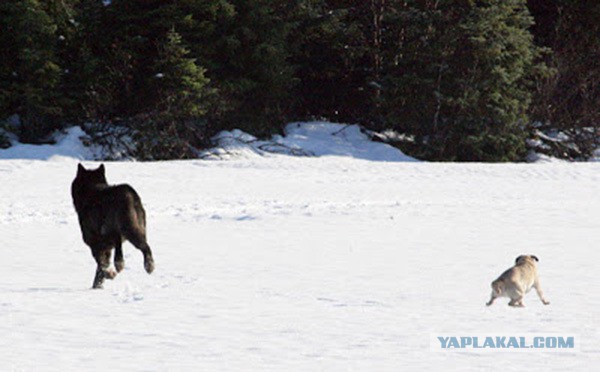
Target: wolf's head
x,y
85,183
91,177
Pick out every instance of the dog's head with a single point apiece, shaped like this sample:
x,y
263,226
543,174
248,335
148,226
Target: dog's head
x,y
526,258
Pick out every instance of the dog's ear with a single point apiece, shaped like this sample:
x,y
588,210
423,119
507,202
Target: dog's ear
x,y
535,258
80,169
101,169
517,259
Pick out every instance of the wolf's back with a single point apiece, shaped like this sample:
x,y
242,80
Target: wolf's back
x,y
130,213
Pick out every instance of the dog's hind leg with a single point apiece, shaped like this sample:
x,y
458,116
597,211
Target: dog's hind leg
x,y
119,261
540,293
102,271
497,289
492,299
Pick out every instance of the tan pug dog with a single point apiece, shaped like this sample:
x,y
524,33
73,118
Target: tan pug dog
x,y
517,281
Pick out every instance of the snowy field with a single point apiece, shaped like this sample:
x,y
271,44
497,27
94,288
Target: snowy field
x,y
274,262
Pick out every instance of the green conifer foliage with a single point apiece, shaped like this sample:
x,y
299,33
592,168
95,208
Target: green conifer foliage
x,y
250,66
175,126
459,79
569,100
29,70
180,83
330,57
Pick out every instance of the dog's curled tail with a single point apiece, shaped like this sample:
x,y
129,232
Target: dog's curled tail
x,y
498,287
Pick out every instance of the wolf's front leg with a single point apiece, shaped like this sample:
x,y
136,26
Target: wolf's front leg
x,y
98,279
102,270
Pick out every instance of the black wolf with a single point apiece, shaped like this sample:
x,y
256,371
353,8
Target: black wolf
x,y
109,215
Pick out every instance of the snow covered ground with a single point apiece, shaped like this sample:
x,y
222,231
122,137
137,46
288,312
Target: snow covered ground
x,y
284,263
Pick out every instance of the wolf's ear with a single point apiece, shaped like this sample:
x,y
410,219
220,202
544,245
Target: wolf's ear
x,y
101,169
80,168
535,258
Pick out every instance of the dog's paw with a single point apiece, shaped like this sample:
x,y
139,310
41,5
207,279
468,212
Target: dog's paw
x,y
546,302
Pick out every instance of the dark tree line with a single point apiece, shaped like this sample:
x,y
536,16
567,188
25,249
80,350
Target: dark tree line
x,y
463,79
569,99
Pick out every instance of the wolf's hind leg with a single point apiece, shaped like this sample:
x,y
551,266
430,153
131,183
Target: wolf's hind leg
x,y
119,261
138,239
148,259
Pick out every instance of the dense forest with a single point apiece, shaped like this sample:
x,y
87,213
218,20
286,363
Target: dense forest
x,y
462,80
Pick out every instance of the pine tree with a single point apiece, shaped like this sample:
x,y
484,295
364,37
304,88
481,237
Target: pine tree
x,y
491,112
63,16
570,99
175,126
251,68
180,84
330,55
461,78
122,43
29,70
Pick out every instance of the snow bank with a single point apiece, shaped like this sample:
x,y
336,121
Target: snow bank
x,y
301,139
553,145
68,146
535,157
306,139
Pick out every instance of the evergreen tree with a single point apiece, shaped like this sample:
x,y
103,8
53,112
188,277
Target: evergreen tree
x,y
141,72
175,126
181,84
63,16
460,78
339,54
250,66
121,44
137,27
329,54
29,70
570,99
